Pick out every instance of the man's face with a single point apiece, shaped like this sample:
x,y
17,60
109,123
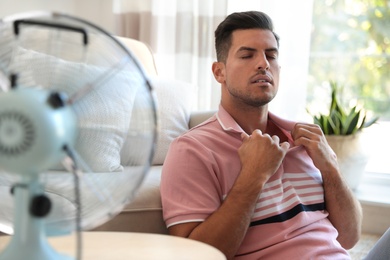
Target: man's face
x,y
250,75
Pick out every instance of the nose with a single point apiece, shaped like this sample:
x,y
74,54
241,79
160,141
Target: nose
x,y
262,63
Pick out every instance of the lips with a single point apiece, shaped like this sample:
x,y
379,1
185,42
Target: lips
x,y
261,79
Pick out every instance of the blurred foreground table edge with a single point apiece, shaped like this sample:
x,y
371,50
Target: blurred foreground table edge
x,y
128,245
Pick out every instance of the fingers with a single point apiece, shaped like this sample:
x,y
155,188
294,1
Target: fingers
x,y
244,136
306,132
312,138
300,128
275,139
285,146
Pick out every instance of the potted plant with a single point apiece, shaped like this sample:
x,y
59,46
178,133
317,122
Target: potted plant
x,y
342,128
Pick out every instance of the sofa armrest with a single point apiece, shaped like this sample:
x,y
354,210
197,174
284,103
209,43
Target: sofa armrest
x,y
142,52
198,117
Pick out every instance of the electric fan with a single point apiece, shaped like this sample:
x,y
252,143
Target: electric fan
x,y
77,129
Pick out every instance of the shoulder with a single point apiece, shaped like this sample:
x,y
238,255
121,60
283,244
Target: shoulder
x,y
206,139
205,130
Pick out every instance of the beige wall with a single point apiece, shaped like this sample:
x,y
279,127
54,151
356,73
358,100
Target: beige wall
x,y
98,12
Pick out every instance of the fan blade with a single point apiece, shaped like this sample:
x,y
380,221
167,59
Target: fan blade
x,y
103,78
4,83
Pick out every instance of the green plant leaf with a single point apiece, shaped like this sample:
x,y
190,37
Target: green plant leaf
x,y
340,121
334,124
352,125
348,121
342,125
335,105
322,122
369,123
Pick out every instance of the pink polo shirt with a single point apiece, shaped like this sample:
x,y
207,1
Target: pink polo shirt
x,y
290,220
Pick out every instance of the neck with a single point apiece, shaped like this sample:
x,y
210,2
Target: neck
x,y
250,118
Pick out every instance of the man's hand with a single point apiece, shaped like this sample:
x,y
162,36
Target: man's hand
x,y
312,138
261,155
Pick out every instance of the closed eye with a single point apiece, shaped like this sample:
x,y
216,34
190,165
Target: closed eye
x,y
246,57
272,54
245,52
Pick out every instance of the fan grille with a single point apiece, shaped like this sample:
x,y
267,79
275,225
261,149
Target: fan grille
x,y
115,119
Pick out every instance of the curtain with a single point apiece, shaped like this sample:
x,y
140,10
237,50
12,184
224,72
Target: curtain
x,y
181,35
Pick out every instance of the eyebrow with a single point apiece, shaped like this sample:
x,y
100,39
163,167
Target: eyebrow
x,y
245,48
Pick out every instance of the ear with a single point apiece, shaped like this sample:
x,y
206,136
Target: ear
x,y
219,71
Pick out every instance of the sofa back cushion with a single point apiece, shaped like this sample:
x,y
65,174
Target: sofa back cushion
x,y
173,99
173,110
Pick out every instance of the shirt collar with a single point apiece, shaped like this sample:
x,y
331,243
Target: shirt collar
x,y
227,122
230,125
281,122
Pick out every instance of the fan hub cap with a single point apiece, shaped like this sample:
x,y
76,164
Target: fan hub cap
x,y
16,133
32,132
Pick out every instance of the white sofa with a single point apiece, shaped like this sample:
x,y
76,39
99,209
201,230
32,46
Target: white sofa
x,y
144,213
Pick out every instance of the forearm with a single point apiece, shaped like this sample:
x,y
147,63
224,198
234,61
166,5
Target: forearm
x,y
344,209
225,229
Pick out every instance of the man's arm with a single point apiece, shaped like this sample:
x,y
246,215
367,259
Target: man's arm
x,y
225,229
345,211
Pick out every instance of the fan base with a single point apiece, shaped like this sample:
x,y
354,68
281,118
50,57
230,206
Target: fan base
x,y
29,240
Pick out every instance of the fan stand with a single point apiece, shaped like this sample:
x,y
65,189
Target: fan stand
x,y
29,240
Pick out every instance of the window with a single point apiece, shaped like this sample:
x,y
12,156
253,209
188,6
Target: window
x,y
350,44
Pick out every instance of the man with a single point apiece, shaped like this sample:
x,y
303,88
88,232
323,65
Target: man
x,y
247,182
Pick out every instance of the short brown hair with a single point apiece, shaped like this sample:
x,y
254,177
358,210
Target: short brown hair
x,y
238,21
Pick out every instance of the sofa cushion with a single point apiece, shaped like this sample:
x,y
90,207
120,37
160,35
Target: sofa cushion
x,y
148,196
174,108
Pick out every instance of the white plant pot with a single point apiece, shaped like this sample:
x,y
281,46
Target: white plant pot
x,y
351,156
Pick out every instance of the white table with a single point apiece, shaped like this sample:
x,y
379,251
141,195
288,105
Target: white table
x,y
126,245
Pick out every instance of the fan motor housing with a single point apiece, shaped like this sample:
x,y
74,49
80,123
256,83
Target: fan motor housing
x,y
32,131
